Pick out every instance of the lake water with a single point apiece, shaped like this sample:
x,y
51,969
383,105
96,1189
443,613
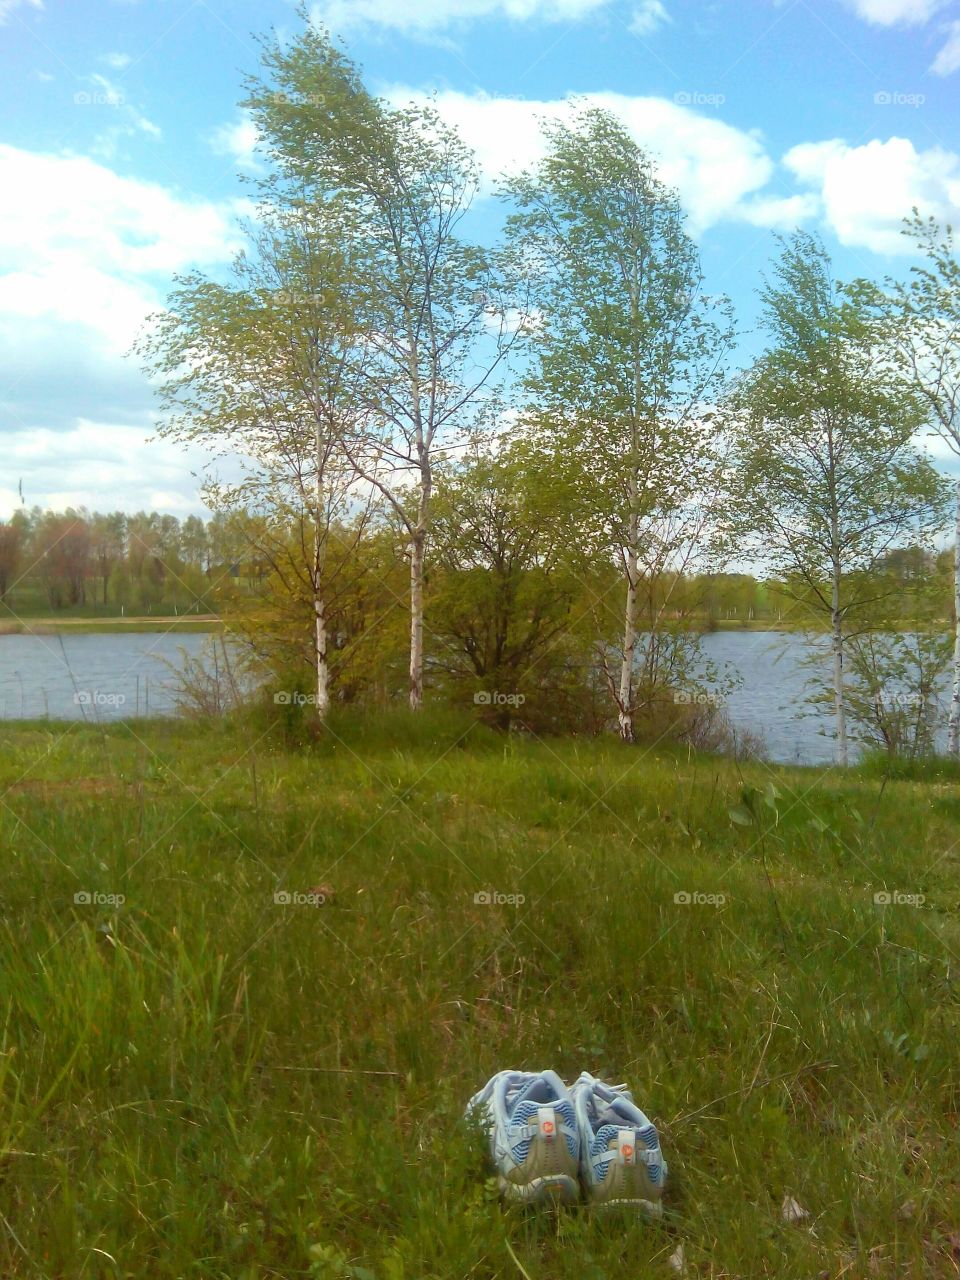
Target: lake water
x,y
92,677
109,676
771,698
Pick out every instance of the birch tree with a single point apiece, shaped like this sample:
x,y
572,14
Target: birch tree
x,y
436,319
265,368
629,354
922,317
829,479
507,602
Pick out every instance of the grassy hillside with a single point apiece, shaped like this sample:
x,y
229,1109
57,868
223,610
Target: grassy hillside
x,y
202,1082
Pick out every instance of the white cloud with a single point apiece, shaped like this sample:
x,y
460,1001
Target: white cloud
x,y
56,205
860,193
889,13
865,191
713,165
77,294
111,109
914,13
107,94
118,61
948,59
419,16
147,126
109,466
239,141
809,161
649,16
85,255
781,212
7,7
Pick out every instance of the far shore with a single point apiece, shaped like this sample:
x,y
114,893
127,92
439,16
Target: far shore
x,y
51,625
211,622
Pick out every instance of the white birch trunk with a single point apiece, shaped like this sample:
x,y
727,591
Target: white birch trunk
x,y
629,628
323,674
319,605
633,524
953,735
419,534
840,711
836,617
416,620
418,544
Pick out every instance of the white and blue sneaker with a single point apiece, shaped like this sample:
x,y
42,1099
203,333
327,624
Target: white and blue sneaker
x,y
620,1159
533,1134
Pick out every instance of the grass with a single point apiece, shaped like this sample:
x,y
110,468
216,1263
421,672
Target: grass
x,y
200,1082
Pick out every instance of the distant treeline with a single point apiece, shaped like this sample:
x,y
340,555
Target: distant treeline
x,y
68,560
75,560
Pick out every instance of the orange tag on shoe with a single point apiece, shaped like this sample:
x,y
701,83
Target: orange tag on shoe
x,y
627,1146
547,1119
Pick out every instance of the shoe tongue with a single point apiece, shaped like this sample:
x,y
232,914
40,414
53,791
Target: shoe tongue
x,y
616,1111
536,1085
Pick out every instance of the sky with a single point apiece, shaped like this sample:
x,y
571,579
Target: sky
x,y
123,153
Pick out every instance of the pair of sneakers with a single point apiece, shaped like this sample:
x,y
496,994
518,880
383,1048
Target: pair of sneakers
x,y
548,1141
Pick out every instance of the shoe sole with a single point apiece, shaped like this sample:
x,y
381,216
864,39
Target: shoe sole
x,y
557,1188
649,1208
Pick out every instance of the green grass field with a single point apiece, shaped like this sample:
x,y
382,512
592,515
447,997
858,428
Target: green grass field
x,y
199,1081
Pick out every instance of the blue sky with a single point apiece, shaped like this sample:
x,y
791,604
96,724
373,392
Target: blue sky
x,y
121,151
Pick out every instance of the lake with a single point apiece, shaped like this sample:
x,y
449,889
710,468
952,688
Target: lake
x,y
94,676
114,675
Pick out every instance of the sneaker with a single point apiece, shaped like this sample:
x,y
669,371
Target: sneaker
x,y
620,1159
532,1127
